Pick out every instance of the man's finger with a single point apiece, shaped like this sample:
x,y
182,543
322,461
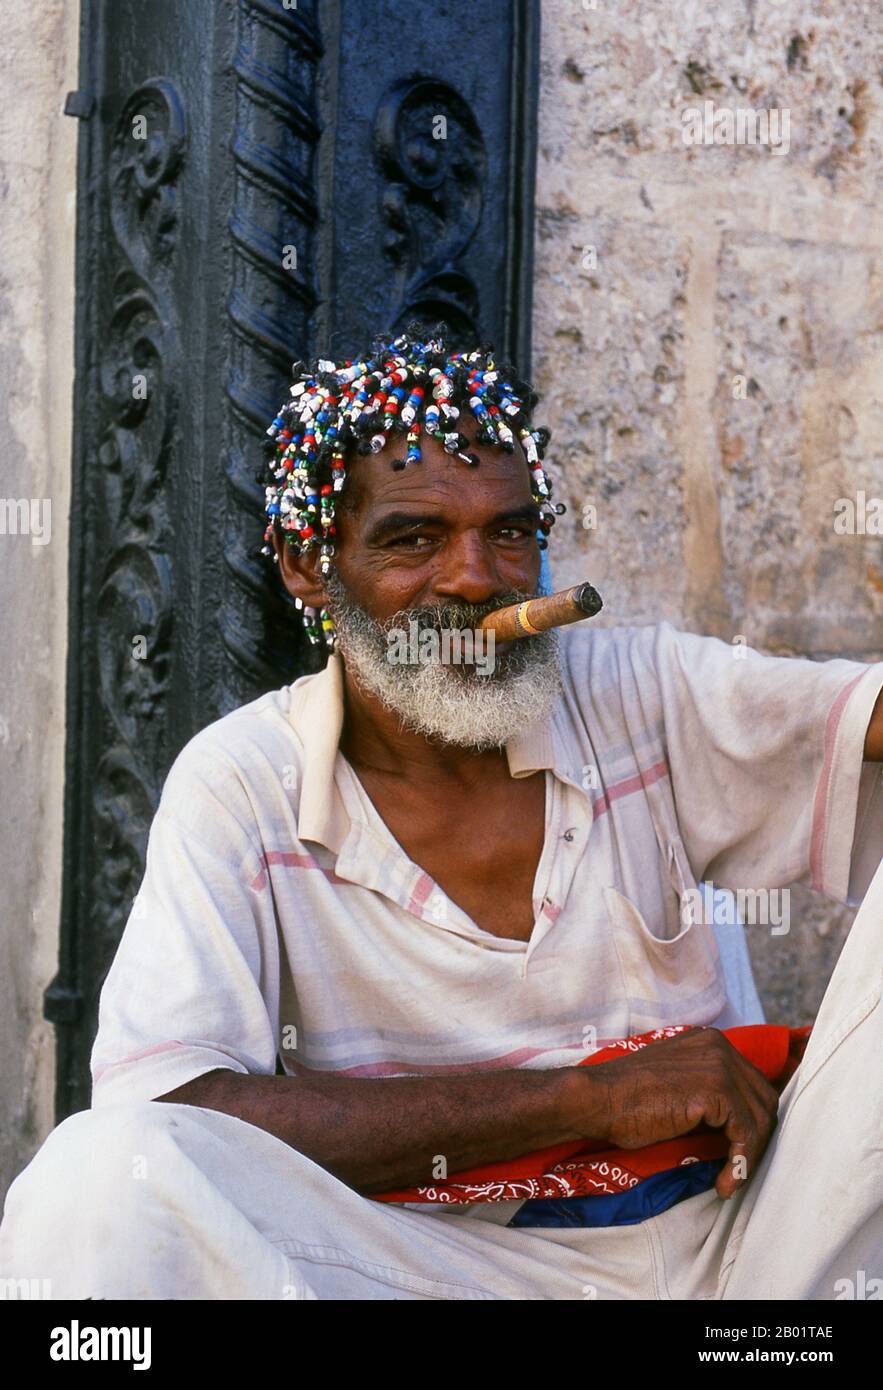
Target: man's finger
x,y
735,1172
745,1147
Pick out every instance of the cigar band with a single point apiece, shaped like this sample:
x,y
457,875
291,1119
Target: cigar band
x,y
522,619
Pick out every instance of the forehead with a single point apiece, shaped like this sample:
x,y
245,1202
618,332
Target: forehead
x,y
440,479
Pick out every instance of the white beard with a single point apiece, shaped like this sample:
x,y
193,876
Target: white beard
x,y
451,703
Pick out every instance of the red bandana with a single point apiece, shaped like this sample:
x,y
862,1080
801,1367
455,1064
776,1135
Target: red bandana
x,y
585,1167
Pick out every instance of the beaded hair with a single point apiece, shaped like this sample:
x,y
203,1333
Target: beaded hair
x,y
404,386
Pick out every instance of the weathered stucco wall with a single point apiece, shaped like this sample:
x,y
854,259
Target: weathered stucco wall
x,y
38,65
663,271
720,309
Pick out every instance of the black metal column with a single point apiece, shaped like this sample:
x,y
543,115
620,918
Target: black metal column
x,y
258,181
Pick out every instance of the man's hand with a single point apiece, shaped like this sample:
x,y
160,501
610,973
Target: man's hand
x,y
670,1087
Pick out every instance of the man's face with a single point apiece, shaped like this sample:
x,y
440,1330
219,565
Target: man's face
x,y
435,547
437,530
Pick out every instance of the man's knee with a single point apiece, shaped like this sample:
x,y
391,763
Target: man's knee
x,y
99,1207
95,1163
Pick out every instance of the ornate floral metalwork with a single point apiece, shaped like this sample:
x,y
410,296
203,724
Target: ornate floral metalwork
x,y
432,157
272,224
137,370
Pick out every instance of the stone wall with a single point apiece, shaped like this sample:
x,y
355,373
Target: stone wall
x,y
721,306
724,308
38,66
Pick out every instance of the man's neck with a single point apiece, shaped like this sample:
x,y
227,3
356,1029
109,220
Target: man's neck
x,y
373,739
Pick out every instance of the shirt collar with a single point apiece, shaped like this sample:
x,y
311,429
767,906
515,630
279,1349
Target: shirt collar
x,y
316,713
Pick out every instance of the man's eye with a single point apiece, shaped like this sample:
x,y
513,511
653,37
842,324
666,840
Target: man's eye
x,y
519,532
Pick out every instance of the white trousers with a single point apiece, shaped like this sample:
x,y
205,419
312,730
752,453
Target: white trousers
x,y
160,1201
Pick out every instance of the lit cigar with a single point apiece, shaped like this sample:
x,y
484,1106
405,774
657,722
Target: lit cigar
x,y
538,614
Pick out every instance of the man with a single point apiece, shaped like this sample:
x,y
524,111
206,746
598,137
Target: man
x,y
426,891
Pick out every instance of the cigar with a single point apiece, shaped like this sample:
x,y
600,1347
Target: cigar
x,y
538,614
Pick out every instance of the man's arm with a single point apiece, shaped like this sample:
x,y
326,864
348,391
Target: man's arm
x,y
379,1135
786,794
874,740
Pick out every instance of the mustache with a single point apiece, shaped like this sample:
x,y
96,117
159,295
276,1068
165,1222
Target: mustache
x,y
453,614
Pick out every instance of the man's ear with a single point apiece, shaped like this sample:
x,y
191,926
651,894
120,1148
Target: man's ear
x,y
301,574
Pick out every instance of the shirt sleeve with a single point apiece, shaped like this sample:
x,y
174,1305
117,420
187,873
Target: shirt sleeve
x,y
195,979
766,762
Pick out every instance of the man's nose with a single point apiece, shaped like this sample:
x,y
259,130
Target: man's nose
x,y
469,572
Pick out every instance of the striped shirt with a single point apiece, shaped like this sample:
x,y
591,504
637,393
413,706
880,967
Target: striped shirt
x,y
280,925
